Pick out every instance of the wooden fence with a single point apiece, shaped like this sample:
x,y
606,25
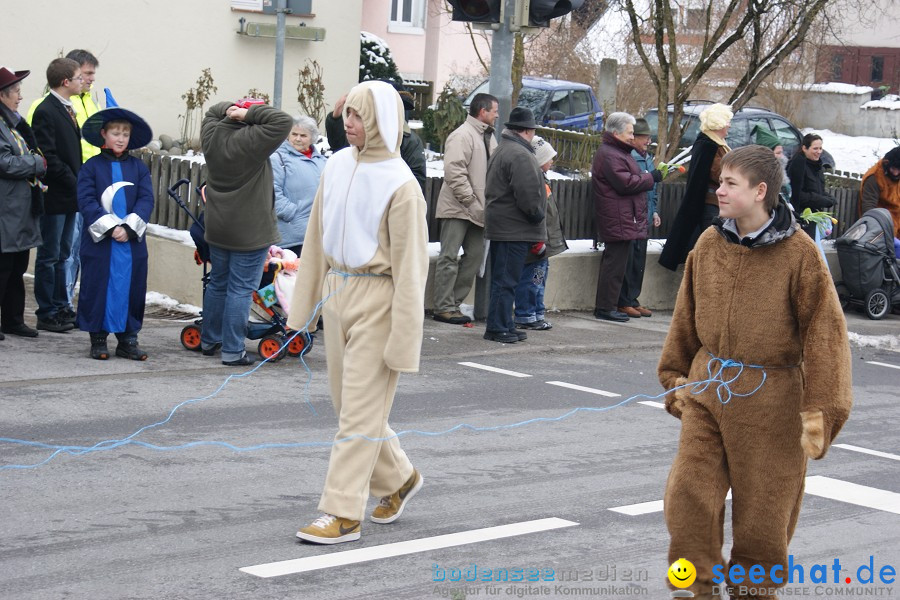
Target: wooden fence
x,y
573,196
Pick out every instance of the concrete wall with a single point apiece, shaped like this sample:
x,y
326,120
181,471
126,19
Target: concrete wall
x,y
152,52
571,284
841,113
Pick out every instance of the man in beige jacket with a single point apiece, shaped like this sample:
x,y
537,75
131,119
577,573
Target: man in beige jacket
x,y
460,208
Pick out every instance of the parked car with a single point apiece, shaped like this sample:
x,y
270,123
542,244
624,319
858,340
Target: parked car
x,y
556,103
743,128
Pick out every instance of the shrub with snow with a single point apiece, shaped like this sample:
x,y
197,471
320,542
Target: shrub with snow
x,y
375,61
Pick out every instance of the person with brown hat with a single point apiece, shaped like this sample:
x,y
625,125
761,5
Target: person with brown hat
x,y
881,187
21,198
515,205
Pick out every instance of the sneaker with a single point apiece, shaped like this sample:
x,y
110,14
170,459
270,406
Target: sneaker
x,y
329,529
520,334
391,507
536,325
245,361
55,325
503,337
212,350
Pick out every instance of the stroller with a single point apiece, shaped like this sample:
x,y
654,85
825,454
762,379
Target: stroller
x,y
869,264
268,320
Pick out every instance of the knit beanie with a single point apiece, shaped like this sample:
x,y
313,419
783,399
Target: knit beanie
x,y
543,151
715,117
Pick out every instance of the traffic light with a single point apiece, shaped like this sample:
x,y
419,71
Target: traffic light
x,y
477,11
537,13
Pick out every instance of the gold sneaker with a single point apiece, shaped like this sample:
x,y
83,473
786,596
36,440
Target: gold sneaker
x,y
329,529
390,507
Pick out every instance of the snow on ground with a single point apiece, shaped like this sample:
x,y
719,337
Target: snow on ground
x,y
854,153
157,299
883,342
177,235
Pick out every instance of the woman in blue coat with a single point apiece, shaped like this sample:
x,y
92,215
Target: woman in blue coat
x,y
115,197
296,168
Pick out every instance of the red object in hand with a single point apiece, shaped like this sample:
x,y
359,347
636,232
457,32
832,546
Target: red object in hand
x,y
538,248
248,102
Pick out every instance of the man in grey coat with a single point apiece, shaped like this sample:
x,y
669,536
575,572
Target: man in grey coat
x,y
460,208
515,207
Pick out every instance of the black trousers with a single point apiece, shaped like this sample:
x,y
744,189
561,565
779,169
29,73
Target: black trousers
x,y
634,274
612,272
12,288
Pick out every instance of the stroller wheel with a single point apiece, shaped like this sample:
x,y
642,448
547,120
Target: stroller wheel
x,y
190,337
300,344
270,348
877,304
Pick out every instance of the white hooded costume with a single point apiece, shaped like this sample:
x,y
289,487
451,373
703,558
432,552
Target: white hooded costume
x,y
367,244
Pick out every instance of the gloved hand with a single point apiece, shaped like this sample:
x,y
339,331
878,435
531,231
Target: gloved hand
x,y
812,440
675,400
538,248
657,175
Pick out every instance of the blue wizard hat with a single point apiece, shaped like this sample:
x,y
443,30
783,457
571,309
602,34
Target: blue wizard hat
x,y
141,134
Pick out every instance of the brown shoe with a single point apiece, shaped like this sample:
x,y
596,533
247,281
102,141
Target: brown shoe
x,y
454,318
390,507
645,312
630,311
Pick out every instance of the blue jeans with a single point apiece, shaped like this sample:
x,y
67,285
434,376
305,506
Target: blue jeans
x,y
73,264
507,262
58,232
530,292
233,278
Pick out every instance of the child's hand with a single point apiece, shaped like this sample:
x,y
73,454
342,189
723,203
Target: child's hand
x,y
236,113
119,234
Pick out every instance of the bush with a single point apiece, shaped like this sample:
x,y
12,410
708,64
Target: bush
x,y
375,60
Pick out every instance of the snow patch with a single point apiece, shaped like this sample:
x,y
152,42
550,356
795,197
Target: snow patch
x,y
157,299
882,342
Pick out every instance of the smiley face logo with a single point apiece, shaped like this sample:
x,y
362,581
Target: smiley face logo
x,y
682,573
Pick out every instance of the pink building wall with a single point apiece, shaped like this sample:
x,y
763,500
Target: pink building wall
x,y
434,52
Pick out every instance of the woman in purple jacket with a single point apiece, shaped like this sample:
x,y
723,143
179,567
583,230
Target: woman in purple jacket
x,y
620,209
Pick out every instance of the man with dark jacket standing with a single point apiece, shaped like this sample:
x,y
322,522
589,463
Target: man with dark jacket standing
x,y
240,218
59,138
515,205
620,209
460,208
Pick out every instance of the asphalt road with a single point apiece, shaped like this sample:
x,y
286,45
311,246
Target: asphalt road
x,y
136,523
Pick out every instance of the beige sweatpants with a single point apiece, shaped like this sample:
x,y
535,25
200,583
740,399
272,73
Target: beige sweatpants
x,y
357,323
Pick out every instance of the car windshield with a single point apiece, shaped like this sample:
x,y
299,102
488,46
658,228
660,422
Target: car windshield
x,y
534,99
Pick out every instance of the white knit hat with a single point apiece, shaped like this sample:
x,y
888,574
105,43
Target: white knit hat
x,y
715,117
543,151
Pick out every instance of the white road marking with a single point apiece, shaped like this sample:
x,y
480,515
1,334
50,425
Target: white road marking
x,y
336,559
581,388
653,404
881,364
853,493
816,485
494,369
644,508
867,451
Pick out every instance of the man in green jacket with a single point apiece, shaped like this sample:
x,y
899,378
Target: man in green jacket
x,y
240,218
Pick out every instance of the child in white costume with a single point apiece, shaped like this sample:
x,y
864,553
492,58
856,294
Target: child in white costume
x,y
367,245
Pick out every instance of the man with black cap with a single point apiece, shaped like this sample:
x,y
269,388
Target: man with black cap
x,y
515,205
881,187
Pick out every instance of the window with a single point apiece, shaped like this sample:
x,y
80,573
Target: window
x,y
837,67
560,102
406,15
877,68
695,19
786,134
581,102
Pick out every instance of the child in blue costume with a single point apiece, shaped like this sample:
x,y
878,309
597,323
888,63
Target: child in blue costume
x,y
115,197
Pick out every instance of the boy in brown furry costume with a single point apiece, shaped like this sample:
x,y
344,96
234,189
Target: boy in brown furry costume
x,y
756,293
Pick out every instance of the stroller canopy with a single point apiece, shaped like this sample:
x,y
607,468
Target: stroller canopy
x,y
874,231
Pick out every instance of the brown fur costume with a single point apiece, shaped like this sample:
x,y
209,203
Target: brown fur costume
x,y
772,305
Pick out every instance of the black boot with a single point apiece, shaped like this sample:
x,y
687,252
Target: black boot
x,y
128,348
99,351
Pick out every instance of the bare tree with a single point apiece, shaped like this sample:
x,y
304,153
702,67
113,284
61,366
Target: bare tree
x,y
678,46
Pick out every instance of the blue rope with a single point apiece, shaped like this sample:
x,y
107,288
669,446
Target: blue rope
x,y
73,450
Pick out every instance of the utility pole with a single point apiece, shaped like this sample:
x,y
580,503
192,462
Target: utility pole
x,y
280,11
500,86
